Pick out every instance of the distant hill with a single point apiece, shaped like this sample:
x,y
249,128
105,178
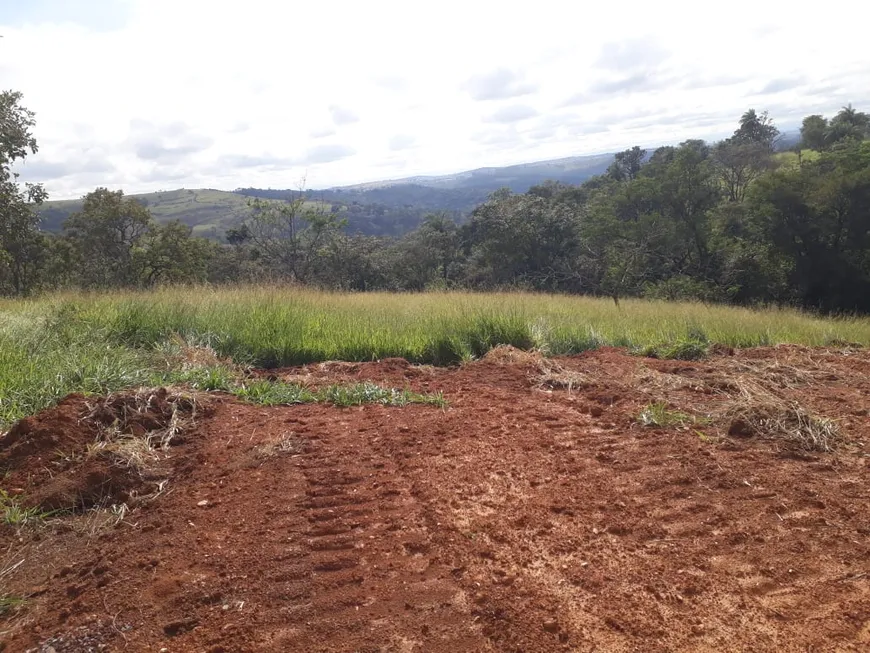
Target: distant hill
x,y
391,207
396,206
209,212
519,178
382,208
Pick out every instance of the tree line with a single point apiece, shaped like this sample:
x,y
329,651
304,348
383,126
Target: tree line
x,y
734,221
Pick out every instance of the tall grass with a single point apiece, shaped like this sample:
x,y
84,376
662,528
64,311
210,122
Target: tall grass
x,y
102,342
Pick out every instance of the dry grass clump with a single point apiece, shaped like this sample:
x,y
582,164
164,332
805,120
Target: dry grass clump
x,y
762,412
774,374
554,376
507,355
545,372
286,444
759,404
98,520
786,422
179,354
135,427
651,381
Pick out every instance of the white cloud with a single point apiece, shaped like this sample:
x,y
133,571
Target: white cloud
x,y
213,93
401,142
497,85
512,113
328,153
343,116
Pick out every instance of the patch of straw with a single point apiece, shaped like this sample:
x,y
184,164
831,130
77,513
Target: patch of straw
x,y
120,418
554,376
760,412
287,443
508,355
545,372
651,381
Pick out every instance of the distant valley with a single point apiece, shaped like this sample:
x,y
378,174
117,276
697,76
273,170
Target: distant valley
x,y
386,208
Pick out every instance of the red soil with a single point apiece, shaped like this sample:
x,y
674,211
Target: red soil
x,y
520,518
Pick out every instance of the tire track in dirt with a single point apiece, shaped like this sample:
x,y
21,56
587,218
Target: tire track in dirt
x,y
363,579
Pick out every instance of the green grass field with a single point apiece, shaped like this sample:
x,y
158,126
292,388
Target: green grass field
x,y
103,342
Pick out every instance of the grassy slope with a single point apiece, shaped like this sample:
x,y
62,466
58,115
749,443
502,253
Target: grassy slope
x,y
209,212
791,160
97,343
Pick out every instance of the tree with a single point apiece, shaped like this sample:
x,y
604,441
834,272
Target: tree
x,y
814,132
756,129
817,218
686,191
438,243
739,164
626,164
170,254
290,235
848,124
523,239
105,236
22,247
238,235
16,140
359,263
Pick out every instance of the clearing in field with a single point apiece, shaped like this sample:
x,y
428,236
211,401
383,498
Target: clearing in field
x,y
511,501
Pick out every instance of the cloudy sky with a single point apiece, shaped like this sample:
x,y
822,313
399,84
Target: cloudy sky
x,y
158,94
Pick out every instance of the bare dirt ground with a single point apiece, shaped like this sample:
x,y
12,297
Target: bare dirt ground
x,y
533,514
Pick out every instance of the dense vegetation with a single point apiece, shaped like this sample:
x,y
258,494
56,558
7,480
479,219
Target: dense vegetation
x,y
734,221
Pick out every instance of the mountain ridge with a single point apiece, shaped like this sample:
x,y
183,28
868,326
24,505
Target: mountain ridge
x,y
390,207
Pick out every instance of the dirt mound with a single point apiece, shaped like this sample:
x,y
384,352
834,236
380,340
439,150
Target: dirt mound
x,y
531,515
510,355
56,429
390,371
154,412
85,451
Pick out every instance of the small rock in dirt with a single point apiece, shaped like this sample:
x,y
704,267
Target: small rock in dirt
x,y
203,503
72,591
174,628
741,428
551,625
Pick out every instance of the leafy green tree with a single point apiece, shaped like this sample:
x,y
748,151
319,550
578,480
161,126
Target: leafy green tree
x,y
627,164
814,130
436,244
290,236
359,263
170,254
688,191
238,235
22,247
525,240
738,165
622,234
107,236
756,129
818,219
848,124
